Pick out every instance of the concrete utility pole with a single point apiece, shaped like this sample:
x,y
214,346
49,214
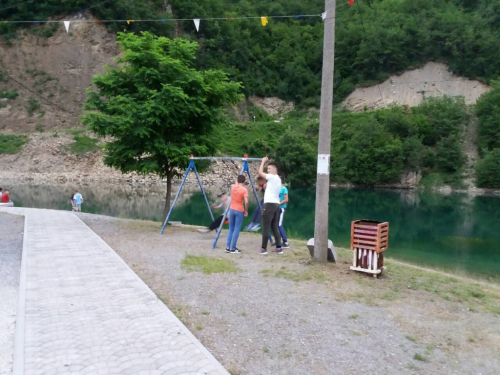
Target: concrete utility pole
x,y
325,137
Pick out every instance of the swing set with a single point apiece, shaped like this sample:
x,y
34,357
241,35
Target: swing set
x,y
192,166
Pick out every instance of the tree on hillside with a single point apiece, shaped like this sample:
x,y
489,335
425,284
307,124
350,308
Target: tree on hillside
x,y
156,108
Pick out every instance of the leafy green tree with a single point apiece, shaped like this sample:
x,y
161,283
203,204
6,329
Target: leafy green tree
x,y
297,159
156,108
488,170
449,155
488,113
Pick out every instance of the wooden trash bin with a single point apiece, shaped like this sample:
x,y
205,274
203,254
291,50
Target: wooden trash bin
x,y
369,239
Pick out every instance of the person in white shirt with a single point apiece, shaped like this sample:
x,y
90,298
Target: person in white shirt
x,y
271,208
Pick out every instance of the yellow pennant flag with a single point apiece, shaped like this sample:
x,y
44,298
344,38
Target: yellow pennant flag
x,y
128,21
264,21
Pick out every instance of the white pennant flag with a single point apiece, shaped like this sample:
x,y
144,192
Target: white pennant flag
x,y
66,25
323,16
197,24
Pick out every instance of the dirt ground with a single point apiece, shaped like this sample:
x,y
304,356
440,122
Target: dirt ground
x,y
284,315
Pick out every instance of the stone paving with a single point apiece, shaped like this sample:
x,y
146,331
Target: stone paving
x,y
87,312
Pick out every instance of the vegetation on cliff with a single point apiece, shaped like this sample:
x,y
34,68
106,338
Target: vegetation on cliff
x,y
374,38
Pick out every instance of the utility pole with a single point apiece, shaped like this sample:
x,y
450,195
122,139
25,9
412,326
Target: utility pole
x,y
325,137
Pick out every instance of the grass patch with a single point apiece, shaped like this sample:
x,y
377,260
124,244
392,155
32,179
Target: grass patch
x,y
420,357
11,143
208,265
32,106
411,338
83,144
354,316
11,95
199,327
205,313
265,349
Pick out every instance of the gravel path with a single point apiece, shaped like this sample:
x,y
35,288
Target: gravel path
x,y
11,234
258,325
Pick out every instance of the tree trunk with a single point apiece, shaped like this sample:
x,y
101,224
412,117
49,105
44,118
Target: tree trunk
x,y
168,195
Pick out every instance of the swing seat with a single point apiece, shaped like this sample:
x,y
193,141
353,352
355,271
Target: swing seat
x,y
226,222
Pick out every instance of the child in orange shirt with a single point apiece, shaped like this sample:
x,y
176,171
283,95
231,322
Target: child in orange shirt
x,y
237,210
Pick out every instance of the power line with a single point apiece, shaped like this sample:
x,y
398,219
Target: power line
x,y
40,96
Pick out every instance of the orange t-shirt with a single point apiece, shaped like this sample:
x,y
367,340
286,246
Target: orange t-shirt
x,y
238,194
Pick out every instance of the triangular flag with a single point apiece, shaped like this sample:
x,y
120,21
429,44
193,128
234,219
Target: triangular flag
x,y
128,21
66,25
197,24
323,16
264,21
350,2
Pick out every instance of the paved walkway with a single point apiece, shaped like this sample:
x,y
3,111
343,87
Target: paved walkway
x,y
82,310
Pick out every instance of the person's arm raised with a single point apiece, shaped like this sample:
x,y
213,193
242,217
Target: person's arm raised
x,y
261,168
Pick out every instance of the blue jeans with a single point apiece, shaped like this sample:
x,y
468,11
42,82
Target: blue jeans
x,y
280,225
235,221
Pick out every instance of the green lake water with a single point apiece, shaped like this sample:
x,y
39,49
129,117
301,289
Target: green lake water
x,y
456,232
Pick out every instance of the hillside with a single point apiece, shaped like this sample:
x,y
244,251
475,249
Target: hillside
x,y
383,48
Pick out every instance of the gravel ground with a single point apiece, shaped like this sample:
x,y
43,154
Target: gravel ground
x,y
261,325
11,243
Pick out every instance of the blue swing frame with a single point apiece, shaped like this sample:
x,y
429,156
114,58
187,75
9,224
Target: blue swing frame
x,y
192,166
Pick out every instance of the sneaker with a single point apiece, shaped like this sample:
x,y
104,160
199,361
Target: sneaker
x,y
278,251
203,230
285,245
227,250
247,228
236,251
263,252
254,228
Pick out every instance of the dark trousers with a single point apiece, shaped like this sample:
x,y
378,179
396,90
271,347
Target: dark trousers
x,y
216,223
270,220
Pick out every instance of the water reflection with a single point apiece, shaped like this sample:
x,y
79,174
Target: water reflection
x,y
454,232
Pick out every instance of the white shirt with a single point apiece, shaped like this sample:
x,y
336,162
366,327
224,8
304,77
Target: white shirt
x,y
272,194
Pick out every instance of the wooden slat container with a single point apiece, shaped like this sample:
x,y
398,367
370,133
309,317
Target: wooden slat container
x,y
370,235
369,239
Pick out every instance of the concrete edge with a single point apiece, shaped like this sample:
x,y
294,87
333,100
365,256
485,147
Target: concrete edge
x,y
181,325
19,337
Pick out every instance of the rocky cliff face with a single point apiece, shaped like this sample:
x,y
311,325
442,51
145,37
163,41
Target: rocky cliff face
x,y
58,69
411,87
46,158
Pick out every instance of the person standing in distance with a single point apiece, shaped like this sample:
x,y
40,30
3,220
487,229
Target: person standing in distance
x,y
78,201
271,208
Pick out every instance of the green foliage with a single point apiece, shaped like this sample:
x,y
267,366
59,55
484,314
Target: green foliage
x,y
32,106
297,159
9,94
156,106
83,144
373,40
488,170
112,9
488,113
368,148
12,144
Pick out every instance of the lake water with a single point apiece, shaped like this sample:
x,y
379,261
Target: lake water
x,y
455,232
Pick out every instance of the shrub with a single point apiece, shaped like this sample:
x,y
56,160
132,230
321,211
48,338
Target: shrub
x,y
488,170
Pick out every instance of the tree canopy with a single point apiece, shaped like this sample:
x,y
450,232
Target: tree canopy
x,y
156,107
374,39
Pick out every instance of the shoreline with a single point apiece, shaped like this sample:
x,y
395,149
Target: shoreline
x,y
207,180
